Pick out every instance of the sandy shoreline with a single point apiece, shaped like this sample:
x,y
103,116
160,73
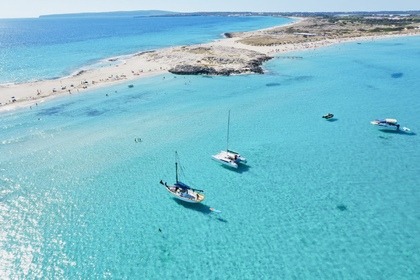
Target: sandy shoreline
x,y
146,64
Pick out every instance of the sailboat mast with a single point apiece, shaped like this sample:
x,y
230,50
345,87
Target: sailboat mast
x,y
227,137
176,167
176,172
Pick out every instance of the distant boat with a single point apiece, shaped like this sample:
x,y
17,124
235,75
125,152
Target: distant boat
x,y
390,123
229,157
328,116
182,191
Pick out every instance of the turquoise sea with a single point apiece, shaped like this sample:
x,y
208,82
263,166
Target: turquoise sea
x,y
47,48
81,199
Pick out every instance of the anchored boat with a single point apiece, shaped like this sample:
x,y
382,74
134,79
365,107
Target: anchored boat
x,y
229,157
390,123
182,191
328,116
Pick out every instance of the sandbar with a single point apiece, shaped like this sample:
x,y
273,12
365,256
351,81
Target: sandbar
x,y
238,53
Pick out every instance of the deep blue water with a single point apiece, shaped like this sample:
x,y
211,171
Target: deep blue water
x,y
43,48
81,199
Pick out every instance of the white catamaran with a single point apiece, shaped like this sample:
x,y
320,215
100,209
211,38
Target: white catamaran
x,y
229,157
183,191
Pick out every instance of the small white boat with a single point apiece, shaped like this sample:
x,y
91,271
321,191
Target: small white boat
x,y
182,191
228,157
390,123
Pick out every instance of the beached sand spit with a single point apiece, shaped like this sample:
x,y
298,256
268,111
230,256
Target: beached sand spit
x,y
239,53
212,59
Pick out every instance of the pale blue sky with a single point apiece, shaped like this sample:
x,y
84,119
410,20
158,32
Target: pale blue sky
x,y
34,8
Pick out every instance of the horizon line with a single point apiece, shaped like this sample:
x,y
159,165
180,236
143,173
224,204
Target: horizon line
x,y
164,12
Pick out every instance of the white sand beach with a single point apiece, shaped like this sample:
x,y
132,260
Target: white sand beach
x,y
231,52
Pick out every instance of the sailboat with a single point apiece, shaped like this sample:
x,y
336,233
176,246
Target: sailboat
x,y
229,157
182,191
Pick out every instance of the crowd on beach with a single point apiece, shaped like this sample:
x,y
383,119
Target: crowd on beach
x,y
25,94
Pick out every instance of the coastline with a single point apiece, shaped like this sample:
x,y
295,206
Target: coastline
x,y
224,56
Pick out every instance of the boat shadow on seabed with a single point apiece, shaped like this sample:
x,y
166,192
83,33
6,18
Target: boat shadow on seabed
x,y
399,131
241,168
332,120
200,207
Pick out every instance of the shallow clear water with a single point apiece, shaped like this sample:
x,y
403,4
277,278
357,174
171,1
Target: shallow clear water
x,y
79,198
44,48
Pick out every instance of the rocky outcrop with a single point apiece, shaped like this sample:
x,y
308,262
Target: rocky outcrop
x,y
192,70
254,65
250,66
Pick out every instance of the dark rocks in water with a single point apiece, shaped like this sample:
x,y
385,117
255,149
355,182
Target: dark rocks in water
x,y
254,65
342,207
192,70
202,70
228,35
228,72
397,75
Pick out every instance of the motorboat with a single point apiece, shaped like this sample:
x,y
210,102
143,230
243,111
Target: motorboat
x,y
390,123
328,116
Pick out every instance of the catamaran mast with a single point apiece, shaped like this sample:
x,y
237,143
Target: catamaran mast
x,y
227,137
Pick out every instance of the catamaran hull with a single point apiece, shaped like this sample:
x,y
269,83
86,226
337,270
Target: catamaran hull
x,y
226,163
229,158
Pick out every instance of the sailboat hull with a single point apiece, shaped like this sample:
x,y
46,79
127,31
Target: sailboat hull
x,y
186,195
